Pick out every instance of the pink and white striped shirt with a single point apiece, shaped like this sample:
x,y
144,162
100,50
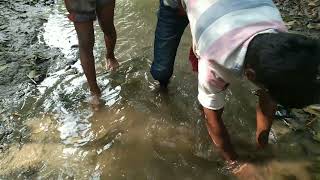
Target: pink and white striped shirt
x,y
221,32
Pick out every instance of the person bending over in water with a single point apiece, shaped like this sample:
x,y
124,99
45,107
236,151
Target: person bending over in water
x,y
82,14
234,39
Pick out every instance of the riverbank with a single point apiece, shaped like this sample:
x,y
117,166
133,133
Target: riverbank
x,y
301,16
24,57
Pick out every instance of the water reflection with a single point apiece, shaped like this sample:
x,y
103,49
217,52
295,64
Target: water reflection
x,y
138,132
59,32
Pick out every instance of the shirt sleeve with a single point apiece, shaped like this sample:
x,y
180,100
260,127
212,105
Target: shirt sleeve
x,y
211,87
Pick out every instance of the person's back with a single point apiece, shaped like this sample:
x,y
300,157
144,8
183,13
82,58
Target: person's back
x,y
221,27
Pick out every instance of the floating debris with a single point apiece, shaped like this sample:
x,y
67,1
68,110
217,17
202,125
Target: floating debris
x,y
314,110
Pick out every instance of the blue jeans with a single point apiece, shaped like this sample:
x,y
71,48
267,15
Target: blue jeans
x,y
169,30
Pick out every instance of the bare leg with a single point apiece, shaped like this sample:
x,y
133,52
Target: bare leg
x,y
221,139
219,134
265,112
106,20
85,34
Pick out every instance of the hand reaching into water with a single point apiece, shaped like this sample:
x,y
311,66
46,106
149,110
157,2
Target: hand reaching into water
x,y
248,171
244,171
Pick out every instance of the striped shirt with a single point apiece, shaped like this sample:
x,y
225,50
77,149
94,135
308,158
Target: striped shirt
x,y
221,32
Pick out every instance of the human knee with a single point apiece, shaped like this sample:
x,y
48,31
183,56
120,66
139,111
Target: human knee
x,y
109,31
86,44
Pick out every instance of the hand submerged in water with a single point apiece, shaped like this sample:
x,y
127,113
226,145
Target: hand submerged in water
x,y
244,171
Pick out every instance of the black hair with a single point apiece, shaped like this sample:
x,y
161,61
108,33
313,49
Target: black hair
x,y
288,66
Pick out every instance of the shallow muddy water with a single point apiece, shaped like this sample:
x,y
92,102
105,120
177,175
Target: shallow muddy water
x,y
138,132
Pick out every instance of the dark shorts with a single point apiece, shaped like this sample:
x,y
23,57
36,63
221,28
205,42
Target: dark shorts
x,y
84,10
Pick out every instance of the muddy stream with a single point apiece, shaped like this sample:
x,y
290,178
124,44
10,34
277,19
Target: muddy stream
x,y
138,132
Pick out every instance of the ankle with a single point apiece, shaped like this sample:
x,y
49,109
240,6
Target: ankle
x,y
95,91
164,84
110,56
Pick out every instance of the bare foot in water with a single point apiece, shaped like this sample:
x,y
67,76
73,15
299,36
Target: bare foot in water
x,y
112,64
95,101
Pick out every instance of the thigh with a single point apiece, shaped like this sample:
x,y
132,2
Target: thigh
x,y
85,33
105,12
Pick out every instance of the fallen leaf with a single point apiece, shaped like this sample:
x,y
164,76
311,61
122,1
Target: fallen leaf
x,y
312,110
291,23
315,26
16,114
32,74
317,137
3,67
314,3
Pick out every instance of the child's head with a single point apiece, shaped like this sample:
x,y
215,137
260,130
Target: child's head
x,y
287,65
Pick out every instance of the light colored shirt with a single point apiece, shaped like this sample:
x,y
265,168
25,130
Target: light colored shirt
x,y
221,32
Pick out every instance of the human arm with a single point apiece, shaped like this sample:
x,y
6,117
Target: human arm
x,y
211,95
219,134
265,111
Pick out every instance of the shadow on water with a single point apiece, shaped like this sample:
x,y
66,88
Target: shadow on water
x,y
138,132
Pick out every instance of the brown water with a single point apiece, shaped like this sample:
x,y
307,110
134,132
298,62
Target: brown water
x,y
138,133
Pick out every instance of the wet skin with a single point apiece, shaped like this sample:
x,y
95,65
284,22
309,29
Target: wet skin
x,y
265,111
85,32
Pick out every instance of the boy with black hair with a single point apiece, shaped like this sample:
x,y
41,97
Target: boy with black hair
x,y
291,75
82,14
234,38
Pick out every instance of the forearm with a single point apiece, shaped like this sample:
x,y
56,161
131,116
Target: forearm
x,y
219,134
265,111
